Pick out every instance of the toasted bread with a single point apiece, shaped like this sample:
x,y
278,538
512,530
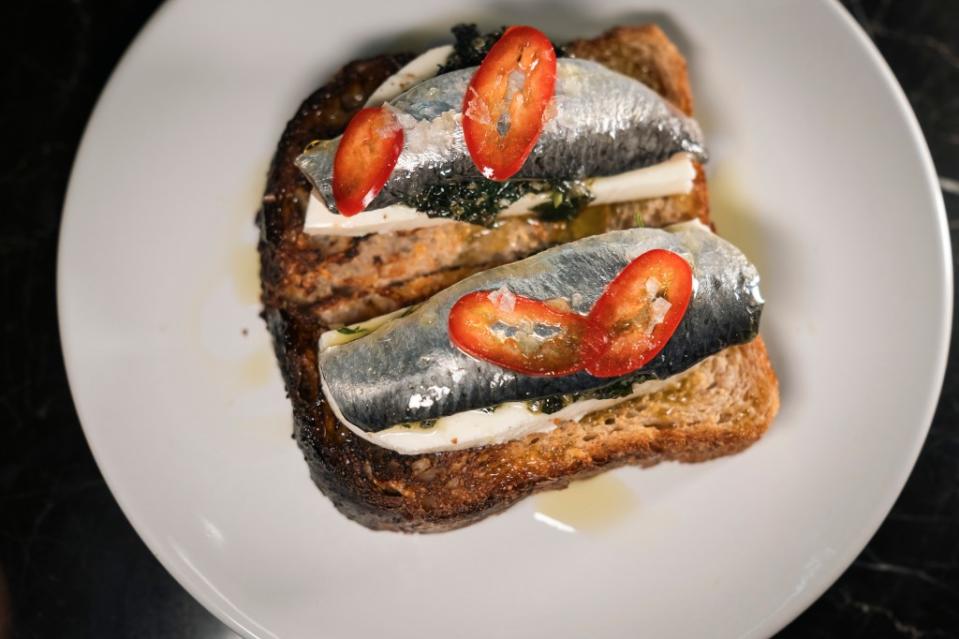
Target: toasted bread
x,y
311,284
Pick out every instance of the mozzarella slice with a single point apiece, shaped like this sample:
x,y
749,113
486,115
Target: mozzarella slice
x,y
422,67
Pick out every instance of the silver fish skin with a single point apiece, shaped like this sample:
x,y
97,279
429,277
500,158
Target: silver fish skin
x,y
408,370
602,123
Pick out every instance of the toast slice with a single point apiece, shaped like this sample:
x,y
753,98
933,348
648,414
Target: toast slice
x,y
309,284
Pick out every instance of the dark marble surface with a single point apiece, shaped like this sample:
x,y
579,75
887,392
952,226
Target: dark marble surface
x,y
73,565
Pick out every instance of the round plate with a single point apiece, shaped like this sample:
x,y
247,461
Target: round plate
x,y
820,173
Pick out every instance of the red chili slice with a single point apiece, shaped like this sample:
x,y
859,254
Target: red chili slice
x,y
637,314
365,158
517,333
501,119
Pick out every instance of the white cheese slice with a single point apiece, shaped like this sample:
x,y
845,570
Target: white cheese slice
x,y
356,331
422,67
672,177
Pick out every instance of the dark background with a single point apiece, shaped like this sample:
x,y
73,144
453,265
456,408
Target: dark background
x,y
74,567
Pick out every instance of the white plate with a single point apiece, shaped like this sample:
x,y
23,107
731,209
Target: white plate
x,y
820,173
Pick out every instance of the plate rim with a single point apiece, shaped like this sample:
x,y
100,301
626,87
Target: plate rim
x,y
881,510
218,604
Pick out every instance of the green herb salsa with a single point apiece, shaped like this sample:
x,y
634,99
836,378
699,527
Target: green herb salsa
x,y
479,201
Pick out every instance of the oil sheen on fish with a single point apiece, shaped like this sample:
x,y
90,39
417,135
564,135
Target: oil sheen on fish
x,y
601,123
407,370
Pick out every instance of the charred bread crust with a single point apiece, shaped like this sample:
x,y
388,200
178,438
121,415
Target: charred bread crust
x,y
309,284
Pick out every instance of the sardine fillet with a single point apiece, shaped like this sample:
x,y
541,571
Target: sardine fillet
x,y
721,408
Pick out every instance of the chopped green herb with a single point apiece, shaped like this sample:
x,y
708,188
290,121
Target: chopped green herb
x,y
476,201
350,330
555,403
568,199
470,47
549,405
619,388
479,201
426,423
638,221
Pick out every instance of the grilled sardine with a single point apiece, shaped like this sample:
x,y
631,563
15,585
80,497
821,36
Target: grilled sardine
x,y
407,370
601,123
